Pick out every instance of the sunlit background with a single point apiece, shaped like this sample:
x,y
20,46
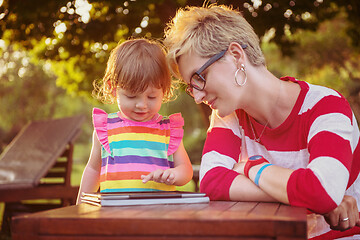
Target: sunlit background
x,y
51,51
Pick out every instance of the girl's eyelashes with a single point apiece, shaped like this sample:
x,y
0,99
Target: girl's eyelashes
x,y
134,96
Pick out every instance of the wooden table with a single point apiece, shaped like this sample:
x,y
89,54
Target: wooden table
x,y
216,220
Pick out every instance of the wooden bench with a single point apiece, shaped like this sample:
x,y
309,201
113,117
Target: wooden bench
x,y
37,164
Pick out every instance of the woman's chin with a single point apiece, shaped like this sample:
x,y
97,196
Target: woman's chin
x,y
221,113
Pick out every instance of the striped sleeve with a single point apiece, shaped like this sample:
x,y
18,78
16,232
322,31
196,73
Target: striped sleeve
x,y
321,186
221,151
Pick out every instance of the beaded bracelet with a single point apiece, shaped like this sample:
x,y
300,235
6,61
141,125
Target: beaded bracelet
x,y
257,177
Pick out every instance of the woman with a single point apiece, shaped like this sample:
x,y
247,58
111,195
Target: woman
x,y
269,139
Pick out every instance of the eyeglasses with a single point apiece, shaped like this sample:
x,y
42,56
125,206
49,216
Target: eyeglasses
x,y
197,81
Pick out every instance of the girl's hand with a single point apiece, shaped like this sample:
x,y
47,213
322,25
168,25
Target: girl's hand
x,y
162,176
345,216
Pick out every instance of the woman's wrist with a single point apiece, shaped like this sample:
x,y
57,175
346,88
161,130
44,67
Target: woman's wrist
x,y
256,172
255,169
252,162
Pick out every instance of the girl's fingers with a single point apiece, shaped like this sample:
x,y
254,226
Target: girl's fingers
x,y
160,176
170,179
146,178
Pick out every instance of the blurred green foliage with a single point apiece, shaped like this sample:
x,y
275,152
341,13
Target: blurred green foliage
x,y
51,52
81,33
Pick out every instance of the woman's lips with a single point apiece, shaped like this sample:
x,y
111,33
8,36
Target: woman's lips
x,y
211,103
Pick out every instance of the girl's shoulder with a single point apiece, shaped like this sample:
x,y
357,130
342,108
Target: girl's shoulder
x,y
101,116
98,112
174,120
100,122
176,123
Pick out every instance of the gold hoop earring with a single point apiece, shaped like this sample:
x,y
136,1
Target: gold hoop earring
x,y
242,68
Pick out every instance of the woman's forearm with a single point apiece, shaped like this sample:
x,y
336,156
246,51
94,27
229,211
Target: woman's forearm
x,y
272,180
243,189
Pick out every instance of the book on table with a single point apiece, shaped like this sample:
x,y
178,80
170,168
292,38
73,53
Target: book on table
x,y
143,198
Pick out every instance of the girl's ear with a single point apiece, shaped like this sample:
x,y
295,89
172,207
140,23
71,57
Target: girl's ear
x,y
114,92
112,88
237,53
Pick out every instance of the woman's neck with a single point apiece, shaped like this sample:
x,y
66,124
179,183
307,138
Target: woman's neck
x,y
270,100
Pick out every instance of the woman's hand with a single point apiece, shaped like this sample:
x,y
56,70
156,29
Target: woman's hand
x,y
162,176
345,216
239,167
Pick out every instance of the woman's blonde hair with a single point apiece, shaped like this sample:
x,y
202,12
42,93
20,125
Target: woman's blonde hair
x,y
208,30
134,65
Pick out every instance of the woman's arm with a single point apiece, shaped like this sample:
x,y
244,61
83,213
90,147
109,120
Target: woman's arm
x,y
91,175
243,189
346,209
319,187
221,152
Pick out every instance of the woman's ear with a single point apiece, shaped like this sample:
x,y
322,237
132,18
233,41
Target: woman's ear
x,y
237,53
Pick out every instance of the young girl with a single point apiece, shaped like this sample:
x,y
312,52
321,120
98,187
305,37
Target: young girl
x,y
136,149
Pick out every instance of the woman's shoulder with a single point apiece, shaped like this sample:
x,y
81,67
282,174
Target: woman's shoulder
x,y
230,122
318,91
320,95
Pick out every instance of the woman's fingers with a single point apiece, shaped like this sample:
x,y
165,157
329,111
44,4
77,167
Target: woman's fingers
x,y
345,216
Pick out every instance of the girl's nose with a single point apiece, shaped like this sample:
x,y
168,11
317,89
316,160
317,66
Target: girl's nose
x,y
141,104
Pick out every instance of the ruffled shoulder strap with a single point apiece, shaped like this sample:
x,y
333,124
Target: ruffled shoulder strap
x,y
100,126
176,132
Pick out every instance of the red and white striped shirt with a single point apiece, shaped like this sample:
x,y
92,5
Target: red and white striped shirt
x,y
319,140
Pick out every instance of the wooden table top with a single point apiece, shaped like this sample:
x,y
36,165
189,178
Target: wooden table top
x,y
215,220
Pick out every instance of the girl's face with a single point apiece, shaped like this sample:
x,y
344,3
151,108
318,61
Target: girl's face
x,y
140,107
219,90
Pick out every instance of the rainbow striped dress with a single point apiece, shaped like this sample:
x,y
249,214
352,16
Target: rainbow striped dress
x,y
130,149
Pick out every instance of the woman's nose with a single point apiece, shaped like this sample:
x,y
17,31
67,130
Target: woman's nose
x,y
198,96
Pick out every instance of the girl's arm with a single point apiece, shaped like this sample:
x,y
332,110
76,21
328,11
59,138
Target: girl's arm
x,y
182,166
179,175
91,175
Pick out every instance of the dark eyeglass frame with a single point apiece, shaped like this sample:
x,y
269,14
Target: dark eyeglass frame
x,y
189,88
